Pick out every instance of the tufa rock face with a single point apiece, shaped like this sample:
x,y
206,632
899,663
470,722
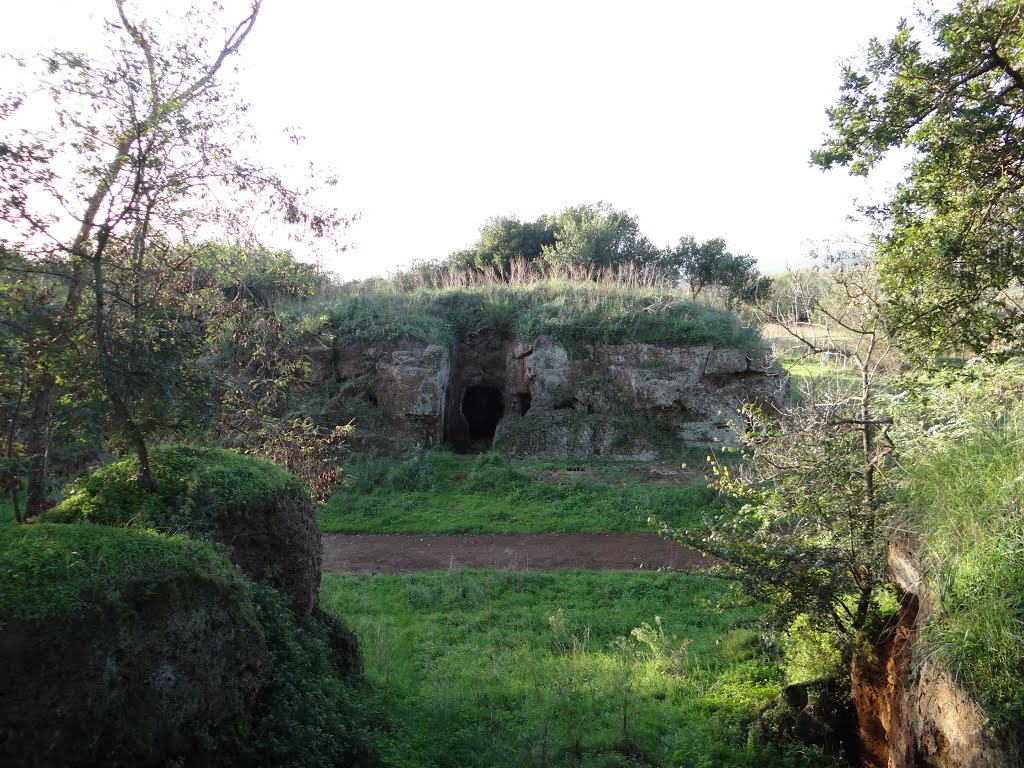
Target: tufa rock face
x,y
278,540
537,399
394,393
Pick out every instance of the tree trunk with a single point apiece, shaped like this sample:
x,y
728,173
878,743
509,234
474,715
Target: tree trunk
x,y
37,447
145,475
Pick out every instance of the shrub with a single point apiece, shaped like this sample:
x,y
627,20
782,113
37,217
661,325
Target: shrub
x,y
307,715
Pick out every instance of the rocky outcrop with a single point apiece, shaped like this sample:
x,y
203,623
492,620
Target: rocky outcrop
x,y
912,712
541,398
156,654
394,393
630,400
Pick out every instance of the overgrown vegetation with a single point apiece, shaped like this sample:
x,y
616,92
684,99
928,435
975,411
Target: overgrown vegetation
x,y
811,536
195,490
962,474
597,239
441,492
510,668
307,714
564,304
967,496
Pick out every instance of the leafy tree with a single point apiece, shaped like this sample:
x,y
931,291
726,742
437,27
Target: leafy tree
x,y
702,265
598,236
811,536
951,249
506,239
143,152
591,237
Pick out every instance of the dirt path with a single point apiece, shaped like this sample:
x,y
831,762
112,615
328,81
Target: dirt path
x,y
407,552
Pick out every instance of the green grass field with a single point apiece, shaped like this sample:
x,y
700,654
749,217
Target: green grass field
x,y
570,668
567,668
442,492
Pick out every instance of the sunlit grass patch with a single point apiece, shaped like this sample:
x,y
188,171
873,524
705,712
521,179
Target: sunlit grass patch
x,y
507,668
441,492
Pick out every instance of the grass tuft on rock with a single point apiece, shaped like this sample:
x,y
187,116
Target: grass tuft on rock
x,y
196,489
61,572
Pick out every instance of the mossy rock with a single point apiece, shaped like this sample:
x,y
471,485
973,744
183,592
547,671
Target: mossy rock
x,y
260,512
124,647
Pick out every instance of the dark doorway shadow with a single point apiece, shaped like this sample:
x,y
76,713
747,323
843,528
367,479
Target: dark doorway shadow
x,y
482,408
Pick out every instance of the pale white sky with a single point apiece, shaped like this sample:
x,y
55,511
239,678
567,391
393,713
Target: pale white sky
x,y
698,117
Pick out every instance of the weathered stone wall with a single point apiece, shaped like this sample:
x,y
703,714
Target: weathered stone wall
x,y
614,401
395,393
629,400
913,713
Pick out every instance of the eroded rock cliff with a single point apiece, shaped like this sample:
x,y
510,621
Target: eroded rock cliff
x,y
542,398
913,713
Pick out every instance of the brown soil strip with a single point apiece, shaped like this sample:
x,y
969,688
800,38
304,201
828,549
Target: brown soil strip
x,y
408,552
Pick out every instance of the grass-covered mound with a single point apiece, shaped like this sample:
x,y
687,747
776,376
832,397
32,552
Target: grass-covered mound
x,y
259,511
572,312
122,647
60,572
196,489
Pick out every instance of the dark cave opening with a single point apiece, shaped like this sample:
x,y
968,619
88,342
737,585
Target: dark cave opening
x,y
483,408
525,398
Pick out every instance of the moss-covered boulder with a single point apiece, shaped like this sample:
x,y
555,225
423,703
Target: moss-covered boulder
x,y
260,512
124,647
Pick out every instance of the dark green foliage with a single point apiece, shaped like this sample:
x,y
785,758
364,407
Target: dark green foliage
x,y
440,492
950,251
595,237
59,573
505,239
307,716
258,275
599,237
196,490
709,264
